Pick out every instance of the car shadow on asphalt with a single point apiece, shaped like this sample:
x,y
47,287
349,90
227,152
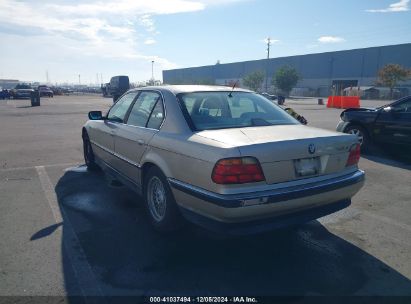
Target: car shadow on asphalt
x,y
129,258
394,157
25,107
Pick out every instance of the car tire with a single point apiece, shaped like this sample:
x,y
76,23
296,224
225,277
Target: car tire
x,y
89,157
362,134
161,206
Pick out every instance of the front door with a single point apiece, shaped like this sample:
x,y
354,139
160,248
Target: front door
x,y
101,138
394,125
103,133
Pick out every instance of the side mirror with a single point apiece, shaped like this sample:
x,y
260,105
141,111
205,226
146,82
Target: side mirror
x,y
95,115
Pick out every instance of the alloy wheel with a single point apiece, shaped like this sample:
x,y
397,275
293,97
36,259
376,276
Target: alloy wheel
x,y
157,199
359,135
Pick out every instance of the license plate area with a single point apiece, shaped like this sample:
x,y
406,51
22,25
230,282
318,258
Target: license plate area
x,y
307,166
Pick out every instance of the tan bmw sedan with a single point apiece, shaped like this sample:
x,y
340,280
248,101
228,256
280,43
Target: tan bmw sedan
x,y
228,160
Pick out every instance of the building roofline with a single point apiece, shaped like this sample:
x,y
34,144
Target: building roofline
x,y
284,57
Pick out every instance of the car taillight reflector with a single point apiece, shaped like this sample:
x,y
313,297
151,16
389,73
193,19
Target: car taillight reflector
x,y
354,156
237,171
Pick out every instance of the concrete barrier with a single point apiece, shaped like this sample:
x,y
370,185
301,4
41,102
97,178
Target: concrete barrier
x,y
343,102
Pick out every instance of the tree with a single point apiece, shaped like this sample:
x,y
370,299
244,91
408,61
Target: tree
x,y
254,80
390,74
286,79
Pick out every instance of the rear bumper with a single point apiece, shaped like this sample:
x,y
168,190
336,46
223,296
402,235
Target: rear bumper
x,y
259,226
266,209
272,196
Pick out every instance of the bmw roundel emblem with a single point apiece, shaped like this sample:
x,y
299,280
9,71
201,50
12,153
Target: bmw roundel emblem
x,y
311,148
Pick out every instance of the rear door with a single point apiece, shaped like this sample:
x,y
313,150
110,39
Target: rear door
x,y
395,126
143,122
102,132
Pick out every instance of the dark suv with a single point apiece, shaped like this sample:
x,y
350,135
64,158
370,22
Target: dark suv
x,y
118,86
22,91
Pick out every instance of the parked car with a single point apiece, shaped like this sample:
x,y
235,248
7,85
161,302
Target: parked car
x,y
118,86
268,96
4,94
57,91
22,91
45,91
230,161
67,91
389,124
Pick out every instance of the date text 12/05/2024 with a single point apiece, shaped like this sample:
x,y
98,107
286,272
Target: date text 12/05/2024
x,y
203,300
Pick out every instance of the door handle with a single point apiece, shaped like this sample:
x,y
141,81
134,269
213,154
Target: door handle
x,y
140,142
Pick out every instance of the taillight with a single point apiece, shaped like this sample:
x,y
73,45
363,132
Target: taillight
x,y
237,171
354,156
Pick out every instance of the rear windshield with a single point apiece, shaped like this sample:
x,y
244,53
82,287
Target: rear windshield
x,y
221,110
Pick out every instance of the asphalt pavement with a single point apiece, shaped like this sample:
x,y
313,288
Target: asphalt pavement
x,y
66,231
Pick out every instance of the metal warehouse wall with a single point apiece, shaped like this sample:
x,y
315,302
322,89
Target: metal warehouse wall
x,y
317,70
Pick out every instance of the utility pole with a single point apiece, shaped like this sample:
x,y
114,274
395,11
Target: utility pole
x,y
152,71
268,63
79,81
47,76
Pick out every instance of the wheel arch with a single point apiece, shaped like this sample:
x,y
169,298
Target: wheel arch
x,y
84,132
154,161
357,123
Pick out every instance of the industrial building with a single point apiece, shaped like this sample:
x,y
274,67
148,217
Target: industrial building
x,y
6,84
319,72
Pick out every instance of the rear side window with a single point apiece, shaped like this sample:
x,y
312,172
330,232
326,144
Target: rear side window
x,y
189,103
156,117
119,110
143,108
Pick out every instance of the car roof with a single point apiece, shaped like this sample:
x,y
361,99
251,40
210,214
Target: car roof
x,y
177,89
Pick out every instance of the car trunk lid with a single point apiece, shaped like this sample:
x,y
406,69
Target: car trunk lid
x,y
289,152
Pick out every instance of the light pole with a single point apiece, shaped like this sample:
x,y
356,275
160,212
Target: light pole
x,y
152,71
268,63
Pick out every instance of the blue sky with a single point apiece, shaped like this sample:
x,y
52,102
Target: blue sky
x,y
90,38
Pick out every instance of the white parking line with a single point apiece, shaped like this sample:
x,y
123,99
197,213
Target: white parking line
x,y
34,167
86,279
50,193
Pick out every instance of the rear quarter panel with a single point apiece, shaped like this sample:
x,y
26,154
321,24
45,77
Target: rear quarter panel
x,y
187,158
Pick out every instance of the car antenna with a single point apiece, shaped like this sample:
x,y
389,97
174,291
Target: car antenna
x,y
232,90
